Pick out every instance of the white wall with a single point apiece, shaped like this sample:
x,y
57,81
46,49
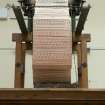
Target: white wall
x,y
95,25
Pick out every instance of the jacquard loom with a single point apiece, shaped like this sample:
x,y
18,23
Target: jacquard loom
x,y
53,33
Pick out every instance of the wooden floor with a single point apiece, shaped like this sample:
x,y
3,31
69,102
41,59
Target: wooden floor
x,y
52,96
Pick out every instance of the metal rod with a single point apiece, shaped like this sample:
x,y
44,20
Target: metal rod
x,y
82,20
20,19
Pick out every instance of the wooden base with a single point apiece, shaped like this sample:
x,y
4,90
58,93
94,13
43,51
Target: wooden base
x,y
52,96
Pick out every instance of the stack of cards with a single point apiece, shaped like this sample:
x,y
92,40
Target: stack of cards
x,y
52,46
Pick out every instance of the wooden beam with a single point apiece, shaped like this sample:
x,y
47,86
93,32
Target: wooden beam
x,y
86,36
19,65
20,19
64,96
82,20
19,37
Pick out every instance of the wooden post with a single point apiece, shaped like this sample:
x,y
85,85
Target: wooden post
x,y
78,47
82,64
84,76
19,65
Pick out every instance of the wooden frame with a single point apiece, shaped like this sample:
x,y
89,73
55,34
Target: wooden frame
x,y
20,57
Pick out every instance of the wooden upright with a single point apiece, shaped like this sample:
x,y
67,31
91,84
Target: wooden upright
x,y
82,63
19,65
